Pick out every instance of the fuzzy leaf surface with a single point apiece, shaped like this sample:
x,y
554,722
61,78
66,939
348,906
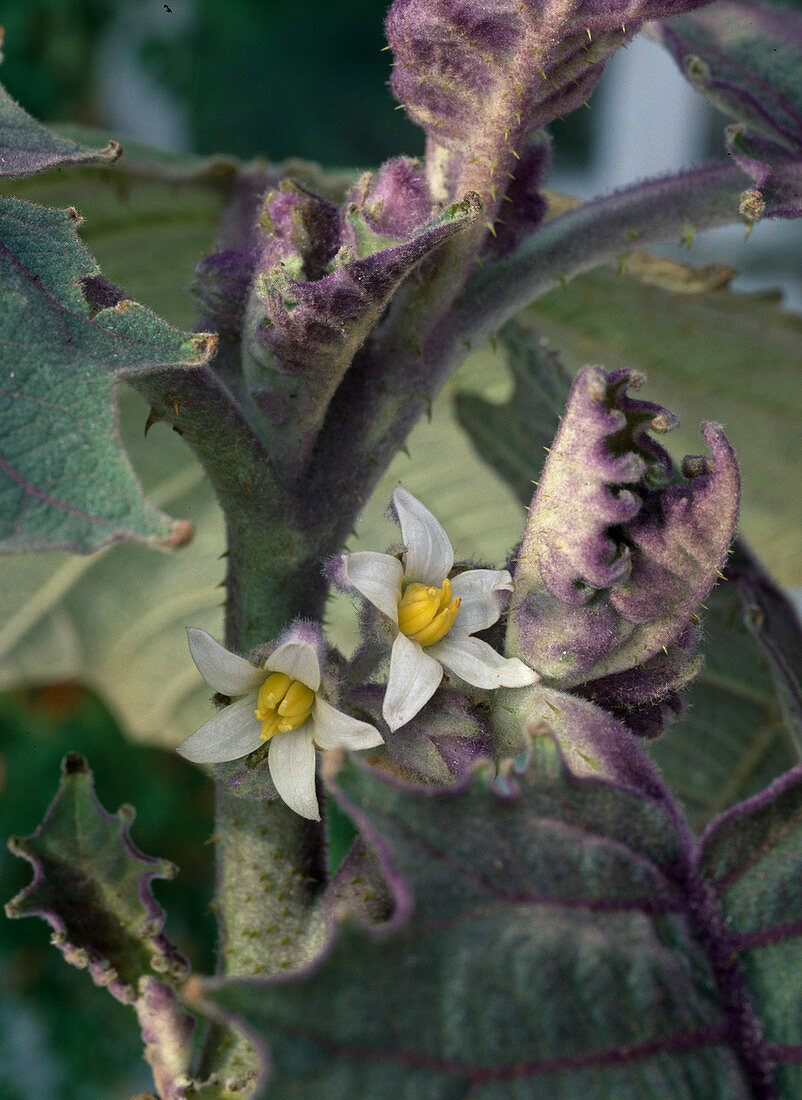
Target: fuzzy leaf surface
x,y
27,147
747,59
753,856
146,223
701,355
92,886
557,902
64,336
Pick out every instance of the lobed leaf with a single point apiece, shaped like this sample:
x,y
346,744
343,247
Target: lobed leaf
x,y
66,334
27,147
745,58
614,559
481,79
92,885
542,941
718,353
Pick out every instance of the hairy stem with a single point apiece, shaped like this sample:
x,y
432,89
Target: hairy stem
x,y
394,379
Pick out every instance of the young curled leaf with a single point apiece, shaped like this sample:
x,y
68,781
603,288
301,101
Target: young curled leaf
x,y
615,560
322,281
482,78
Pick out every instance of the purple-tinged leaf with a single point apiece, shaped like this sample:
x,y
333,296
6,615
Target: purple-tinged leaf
x,y
27,147
482,78
321,283
753,857
747,59
615,560
548,938
592,741
93,887
66,334
774,623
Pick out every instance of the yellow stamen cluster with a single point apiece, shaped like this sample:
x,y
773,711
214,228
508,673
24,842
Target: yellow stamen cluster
x,y
426,614
283,704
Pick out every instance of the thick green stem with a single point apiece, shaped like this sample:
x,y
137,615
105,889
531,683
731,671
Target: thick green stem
x,y
270,861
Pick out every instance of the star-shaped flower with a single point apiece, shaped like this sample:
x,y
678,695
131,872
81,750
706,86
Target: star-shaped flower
x,y
279,703
435,616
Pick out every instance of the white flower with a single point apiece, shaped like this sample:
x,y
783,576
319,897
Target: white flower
x,y
435,617
279,703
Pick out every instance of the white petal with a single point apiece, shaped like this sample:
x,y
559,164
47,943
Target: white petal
x,y
413,680
232,733
222,670
299,661
377,577
332,728
429,555
291,760
479,608
478,663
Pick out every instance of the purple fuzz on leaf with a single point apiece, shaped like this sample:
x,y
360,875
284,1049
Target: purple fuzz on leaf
x,y
615,558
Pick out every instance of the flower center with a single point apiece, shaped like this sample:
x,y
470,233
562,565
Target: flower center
x,y
426,614
282,704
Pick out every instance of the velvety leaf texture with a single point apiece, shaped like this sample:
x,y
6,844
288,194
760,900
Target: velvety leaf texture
x,y
481,78
642,553
65,334
570,912
751,63
702,349
27,147
322,280
92,886
753,856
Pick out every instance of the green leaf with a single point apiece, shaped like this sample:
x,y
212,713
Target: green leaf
x,y
753,857
27,147
116,620
66,335
147,223
733,739
731,357
92,886
537,948
513,437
